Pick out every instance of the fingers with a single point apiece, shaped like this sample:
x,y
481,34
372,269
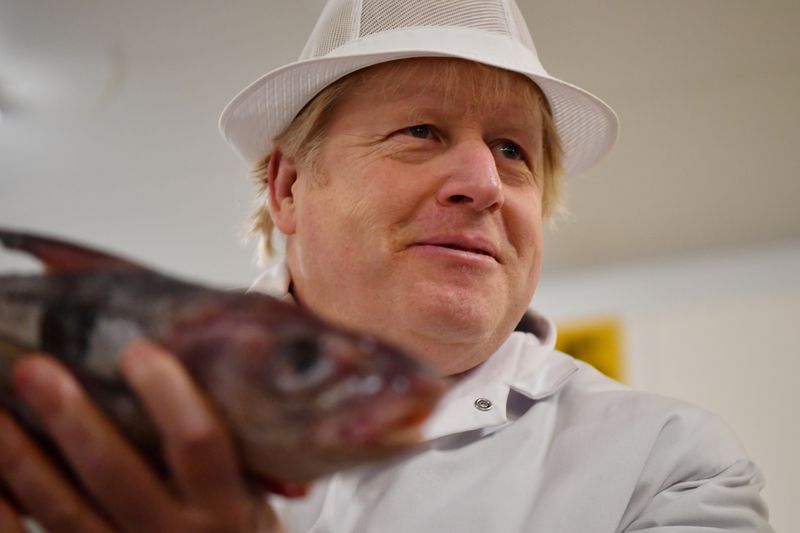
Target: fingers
x,y
121,492
200,451
39,486
122,484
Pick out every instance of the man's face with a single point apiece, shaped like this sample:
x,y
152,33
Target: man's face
x,y
422,221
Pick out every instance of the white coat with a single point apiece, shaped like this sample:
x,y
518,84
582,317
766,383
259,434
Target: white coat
x,y
562,449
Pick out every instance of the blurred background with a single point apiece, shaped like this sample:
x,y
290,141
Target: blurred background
x,y
683,246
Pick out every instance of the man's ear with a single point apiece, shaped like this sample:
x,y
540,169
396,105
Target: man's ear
x,y
282,172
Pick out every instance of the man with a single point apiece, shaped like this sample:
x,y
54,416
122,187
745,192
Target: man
x,y
408,161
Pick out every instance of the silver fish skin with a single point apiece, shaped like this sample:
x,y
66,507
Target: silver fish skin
x,y
302,398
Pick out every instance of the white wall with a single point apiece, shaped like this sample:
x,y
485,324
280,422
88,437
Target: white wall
x,y
719,331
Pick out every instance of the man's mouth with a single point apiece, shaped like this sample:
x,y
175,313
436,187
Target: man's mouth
x,y
471,250
470,244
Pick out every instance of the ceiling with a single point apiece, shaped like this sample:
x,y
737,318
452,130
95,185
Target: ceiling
x,y
108,123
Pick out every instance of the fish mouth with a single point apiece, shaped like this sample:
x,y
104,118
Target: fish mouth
x,y
384,423
391,427
371,431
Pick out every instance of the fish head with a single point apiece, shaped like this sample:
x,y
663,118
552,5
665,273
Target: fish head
x,y
306,399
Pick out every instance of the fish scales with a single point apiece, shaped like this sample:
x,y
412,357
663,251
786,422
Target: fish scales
x,y
302,398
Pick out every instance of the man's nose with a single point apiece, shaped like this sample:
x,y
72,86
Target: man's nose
x,y
471,178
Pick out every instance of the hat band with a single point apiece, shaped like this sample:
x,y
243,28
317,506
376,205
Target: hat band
x,y
465,43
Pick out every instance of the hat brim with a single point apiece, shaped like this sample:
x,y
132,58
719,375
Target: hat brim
x,y
586,125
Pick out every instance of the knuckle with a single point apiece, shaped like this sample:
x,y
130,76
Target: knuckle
x,y
13,453
66,517
8,511
231,519
17,450
96,470
200,441
242,516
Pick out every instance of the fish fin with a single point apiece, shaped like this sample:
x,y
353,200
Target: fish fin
x,y
61,256
287,489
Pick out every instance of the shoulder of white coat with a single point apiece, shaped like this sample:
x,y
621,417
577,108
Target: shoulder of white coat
x,y
670,458
683,440
689,465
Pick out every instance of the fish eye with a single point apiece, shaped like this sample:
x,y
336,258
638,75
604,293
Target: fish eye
x,y
300,364
302,355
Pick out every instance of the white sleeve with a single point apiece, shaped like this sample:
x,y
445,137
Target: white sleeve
x,y
698,480
729,501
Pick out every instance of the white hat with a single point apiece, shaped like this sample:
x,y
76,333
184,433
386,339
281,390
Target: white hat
x,y
354,34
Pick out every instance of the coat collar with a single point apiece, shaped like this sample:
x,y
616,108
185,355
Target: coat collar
x,y
523,365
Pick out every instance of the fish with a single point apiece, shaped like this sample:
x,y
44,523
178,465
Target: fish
x,y
302,398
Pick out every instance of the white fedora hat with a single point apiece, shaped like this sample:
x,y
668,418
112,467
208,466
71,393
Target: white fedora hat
x,y
354,34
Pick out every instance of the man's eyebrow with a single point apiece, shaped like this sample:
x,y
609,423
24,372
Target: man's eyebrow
x,y
520,119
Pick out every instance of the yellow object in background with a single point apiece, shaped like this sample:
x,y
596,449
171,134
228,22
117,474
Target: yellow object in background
x,y
597,341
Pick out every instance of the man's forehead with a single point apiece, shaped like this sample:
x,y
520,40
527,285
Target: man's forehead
x,y
411,82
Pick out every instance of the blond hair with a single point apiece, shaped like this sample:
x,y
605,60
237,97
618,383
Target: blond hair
x,y
302,139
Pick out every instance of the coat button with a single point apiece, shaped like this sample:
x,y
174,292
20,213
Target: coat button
x,y
482,404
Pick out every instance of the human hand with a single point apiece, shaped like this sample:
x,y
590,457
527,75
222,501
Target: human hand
x,y
119,491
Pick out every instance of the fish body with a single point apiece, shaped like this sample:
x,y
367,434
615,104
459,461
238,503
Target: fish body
x,y
302,398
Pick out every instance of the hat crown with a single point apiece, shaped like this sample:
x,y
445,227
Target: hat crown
x,y
344,21
355,34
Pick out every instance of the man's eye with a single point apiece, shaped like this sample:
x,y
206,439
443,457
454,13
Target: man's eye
x,y
420,131
510,150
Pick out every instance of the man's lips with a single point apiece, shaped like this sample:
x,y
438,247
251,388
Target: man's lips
x,y
472,244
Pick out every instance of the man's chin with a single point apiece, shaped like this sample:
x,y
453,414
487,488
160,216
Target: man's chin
x,y
453,322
